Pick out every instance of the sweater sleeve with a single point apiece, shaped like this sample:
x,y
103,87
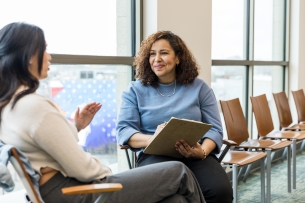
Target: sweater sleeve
x,y
210,114
129,118
56,137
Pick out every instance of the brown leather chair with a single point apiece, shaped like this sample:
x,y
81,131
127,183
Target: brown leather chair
x,y
232,159
237,131
299,100
284,113
266,130
32,196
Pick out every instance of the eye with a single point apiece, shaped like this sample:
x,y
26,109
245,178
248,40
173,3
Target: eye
x,y
152,53
164,53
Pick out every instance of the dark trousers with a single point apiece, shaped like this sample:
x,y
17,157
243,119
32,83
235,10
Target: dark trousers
x,y
212,178
168,182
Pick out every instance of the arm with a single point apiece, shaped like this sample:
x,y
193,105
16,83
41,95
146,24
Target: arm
x,y
56,137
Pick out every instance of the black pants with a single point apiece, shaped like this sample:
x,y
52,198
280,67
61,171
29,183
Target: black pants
x,y
212,178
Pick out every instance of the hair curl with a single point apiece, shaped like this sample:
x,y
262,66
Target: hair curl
x,y
186,71
18,43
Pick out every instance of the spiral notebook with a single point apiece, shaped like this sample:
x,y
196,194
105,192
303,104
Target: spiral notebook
x,y
177,129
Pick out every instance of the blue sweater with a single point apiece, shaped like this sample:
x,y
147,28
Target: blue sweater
x,y
143,109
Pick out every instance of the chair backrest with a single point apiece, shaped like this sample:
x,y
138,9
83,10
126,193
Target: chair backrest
x,y
262,115
299,100
283,109
236,124
23,175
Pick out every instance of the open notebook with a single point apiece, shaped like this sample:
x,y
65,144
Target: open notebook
x,y
176,129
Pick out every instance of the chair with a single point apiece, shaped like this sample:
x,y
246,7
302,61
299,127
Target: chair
x,y
233,159
266,130
284,113
238,132
33,197
299,100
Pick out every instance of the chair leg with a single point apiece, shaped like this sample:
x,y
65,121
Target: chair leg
x,y
128,159
268,166
294,165
240,173
262,180
103,197
284,155
247,172
289,168
302,147
234,182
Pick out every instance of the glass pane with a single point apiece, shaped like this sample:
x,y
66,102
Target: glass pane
x,y
72,86
93,27
268,80
269,30
229,82
228,25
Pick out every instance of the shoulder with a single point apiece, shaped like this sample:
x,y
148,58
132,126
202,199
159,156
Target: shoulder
x,y
35,104
201,84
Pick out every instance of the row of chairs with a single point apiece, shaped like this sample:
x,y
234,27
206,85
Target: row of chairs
x,y
270,140
245,151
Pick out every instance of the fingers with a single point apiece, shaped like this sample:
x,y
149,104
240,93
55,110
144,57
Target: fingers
x,y
93,107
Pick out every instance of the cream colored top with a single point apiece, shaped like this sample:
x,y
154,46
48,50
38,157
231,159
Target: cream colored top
x,y
48,139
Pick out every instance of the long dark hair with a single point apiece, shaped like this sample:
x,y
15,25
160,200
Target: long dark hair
x,y
18,43
186,71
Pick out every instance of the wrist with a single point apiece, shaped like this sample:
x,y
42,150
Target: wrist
x,y
204,155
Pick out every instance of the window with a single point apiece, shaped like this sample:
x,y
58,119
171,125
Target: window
x,y
248,51
92,44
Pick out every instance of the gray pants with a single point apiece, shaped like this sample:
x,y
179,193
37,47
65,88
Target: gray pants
x,y
165,182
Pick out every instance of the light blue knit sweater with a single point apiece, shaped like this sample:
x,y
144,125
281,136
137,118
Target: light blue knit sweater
x,y
143,109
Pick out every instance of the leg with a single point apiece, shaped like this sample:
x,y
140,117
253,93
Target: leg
x,y
155,183
175,198
212,178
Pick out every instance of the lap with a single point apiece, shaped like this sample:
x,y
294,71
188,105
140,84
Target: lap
x,y
212,178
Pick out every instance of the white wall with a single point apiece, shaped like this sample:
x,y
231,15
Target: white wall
x,y
190,20
297,51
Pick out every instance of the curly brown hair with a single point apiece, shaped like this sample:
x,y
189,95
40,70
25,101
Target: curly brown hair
x,y
186,71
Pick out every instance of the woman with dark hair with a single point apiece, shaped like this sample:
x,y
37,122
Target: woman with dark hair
x,y
35,126
167,86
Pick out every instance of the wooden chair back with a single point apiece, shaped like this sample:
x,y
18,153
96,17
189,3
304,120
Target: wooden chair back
x,y
299,100
283,109
24,177
235,121
262,115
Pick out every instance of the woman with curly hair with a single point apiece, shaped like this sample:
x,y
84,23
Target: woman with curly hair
x,y
167,86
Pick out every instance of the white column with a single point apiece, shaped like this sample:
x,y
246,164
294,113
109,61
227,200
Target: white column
x,y
297,50
190,20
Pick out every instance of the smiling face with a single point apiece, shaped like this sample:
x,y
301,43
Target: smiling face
x,y
33,67
163,61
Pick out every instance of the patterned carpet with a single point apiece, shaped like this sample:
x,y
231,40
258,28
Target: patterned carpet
x,y
249,192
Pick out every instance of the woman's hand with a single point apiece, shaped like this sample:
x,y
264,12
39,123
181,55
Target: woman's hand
x,y
187,151
83,117
158,130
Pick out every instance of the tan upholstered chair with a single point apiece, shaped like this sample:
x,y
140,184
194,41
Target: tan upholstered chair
x,y
238,132
266,129
33,197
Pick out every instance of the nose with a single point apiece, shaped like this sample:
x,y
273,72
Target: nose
x,y
50,57
158,57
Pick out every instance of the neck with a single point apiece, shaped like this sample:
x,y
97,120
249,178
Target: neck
x,y
166,81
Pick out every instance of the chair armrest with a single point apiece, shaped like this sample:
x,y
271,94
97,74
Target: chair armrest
x,y
124,147
92,188
229,142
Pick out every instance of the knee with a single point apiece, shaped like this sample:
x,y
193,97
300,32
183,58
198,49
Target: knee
x,y
219,193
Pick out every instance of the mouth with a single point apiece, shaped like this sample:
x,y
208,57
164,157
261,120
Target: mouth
x,y
158,67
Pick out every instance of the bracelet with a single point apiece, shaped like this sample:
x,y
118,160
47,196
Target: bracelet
x,y
204,154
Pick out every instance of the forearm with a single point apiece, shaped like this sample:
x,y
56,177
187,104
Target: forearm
x,y
208,145
139,140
